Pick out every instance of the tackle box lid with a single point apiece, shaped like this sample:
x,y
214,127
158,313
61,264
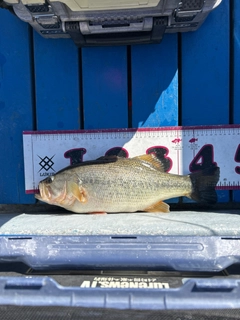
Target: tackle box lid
x,y
125,264
94,23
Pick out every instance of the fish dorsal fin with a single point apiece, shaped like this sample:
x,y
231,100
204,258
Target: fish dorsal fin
x,y
153,161
107,159
78,192
101,160
158,207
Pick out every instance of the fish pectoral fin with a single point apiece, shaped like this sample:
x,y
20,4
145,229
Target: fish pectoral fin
x,y
78,192
158,207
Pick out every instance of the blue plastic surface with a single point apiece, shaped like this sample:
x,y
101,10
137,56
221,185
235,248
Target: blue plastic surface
x,y
194,294
105,92
56,70
16,105
155,84
119,252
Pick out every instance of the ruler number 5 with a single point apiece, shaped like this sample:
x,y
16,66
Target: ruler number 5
x,y
237,159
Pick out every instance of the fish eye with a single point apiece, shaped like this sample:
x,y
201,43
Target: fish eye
x,y
49,179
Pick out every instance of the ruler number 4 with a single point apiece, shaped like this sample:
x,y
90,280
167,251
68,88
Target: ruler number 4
x,y
203,159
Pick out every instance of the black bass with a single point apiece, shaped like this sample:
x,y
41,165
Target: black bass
x,y
113,184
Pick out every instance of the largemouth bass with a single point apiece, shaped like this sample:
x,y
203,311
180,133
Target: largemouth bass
x,y
113,184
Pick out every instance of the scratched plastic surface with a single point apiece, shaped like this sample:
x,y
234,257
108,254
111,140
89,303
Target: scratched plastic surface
x,y
155,253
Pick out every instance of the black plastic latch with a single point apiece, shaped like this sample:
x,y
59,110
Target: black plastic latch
x,y
73,29
187,10
159,27
117,38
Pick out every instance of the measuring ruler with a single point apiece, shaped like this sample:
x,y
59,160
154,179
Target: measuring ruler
x,y
186,149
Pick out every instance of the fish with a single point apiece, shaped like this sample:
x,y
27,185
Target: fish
x,y
116,184
177,140
193,140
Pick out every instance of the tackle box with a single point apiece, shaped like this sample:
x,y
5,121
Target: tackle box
x,y
57,264
91,23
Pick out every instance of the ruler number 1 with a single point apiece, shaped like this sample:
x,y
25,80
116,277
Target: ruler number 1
x,y
75,155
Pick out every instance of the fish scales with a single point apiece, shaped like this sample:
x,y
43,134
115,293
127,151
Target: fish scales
x,y
129,188
122,185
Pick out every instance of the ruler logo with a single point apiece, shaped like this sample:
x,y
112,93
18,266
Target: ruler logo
x,y
46,164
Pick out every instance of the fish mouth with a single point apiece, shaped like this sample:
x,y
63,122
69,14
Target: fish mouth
x,y
38,196
44,193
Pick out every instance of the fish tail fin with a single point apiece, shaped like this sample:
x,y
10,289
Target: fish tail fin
x,y
203,185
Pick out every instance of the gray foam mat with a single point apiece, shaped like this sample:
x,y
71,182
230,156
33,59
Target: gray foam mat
x,y
190,223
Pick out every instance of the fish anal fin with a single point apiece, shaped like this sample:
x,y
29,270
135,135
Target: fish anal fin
x,y
153,161
78,192
158,207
